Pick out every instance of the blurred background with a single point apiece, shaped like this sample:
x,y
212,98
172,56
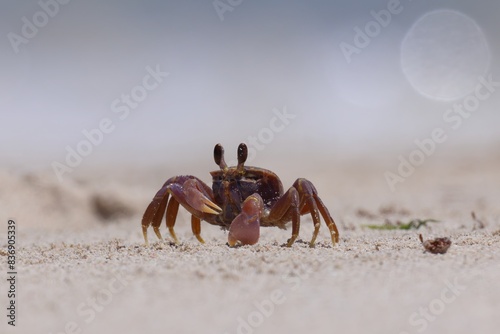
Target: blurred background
x,y
354,81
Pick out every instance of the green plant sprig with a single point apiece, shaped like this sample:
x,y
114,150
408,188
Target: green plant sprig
x,y
412,224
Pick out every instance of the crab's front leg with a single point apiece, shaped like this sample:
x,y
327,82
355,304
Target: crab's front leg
x,y
189,191
245,227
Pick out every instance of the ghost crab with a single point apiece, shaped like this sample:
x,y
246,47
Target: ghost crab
x,y
242,199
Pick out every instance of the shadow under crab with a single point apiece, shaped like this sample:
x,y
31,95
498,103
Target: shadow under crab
x,y
242,199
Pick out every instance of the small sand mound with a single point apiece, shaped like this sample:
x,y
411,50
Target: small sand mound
x,y
108,207
41,201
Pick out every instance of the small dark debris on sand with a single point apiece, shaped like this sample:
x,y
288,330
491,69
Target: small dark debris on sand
x,y
437,245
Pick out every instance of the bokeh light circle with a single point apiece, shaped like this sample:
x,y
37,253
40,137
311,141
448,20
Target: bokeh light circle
x,y
444,54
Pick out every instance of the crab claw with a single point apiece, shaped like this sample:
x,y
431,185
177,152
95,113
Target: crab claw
x,y
245,227
197,200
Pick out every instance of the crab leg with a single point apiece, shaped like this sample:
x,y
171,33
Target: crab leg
x,y
334,232
245,227
193,197
313,209
196,228
309,202
288,204
172,209
154,213
186,190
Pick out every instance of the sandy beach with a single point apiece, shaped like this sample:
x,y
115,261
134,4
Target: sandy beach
x,y
82,266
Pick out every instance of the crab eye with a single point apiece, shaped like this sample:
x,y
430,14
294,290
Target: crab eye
x,y
219,156
242,155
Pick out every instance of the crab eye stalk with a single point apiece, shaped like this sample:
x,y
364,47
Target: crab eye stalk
x,y
219,156
242,156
